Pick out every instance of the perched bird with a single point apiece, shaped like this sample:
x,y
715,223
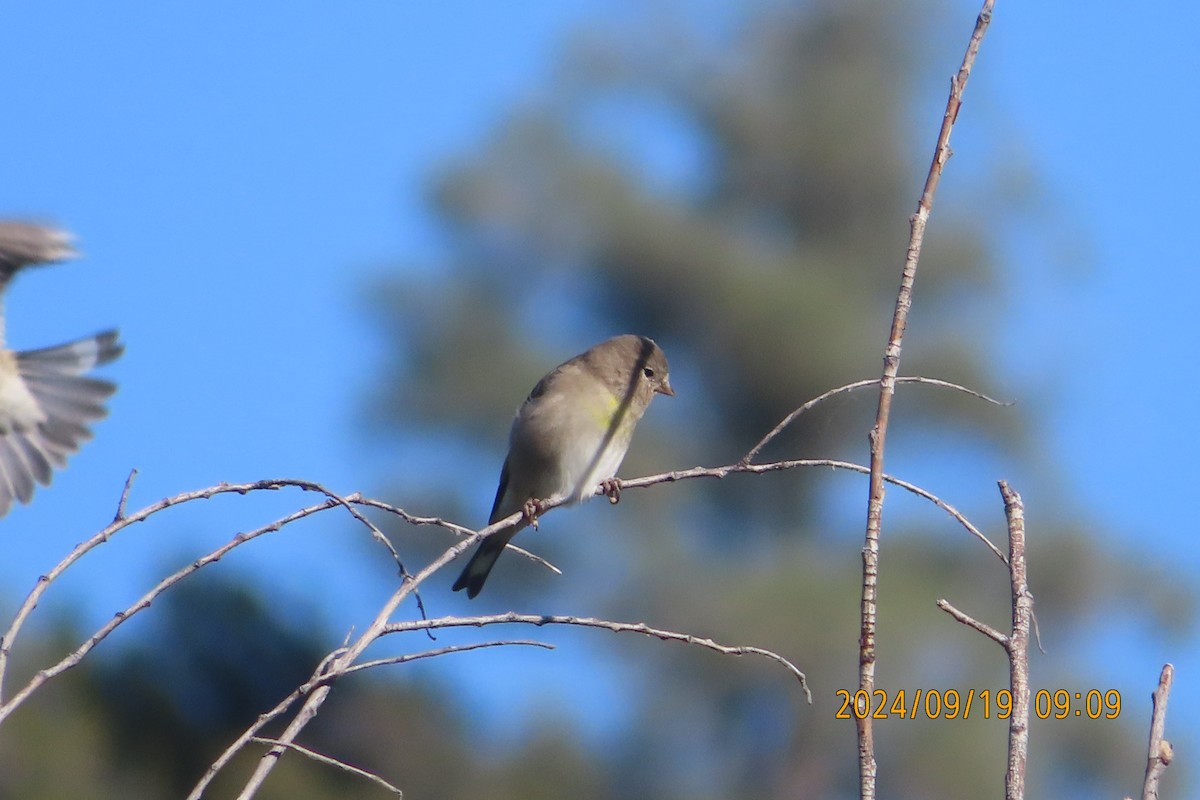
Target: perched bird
x,y
569,437
46,402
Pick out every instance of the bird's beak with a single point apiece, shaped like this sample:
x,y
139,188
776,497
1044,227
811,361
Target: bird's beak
x,y
666,389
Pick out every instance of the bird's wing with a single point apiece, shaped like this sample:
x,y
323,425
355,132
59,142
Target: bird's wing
x,y
500,490
46,404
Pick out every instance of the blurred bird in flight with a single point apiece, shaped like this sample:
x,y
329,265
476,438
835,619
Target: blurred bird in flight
x,y
46,400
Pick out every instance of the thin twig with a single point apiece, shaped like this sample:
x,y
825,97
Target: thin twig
x,y
125,495
987,630
347,503
790,418
124,521
441,651
512,617
329,760
454,528
1160,752
320,676
145,601
1015,644
887,389
776,466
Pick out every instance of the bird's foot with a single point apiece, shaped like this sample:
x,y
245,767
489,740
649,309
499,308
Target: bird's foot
x,y
532,510
612,489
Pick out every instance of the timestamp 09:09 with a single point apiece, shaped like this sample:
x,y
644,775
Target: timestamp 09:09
x,y
986,703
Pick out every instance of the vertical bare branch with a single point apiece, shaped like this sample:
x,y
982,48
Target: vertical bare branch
x,y
887,389
1015,643
1017,646
1161,752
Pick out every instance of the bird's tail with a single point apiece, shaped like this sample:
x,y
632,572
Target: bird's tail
x,y
476,571
68,401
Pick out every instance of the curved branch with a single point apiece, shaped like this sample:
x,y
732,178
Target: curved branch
x,y
144,602
512,617
775,466
790,418
124,521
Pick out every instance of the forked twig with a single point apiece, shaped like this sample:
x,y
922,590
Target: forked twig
x,y
1015,643
330,761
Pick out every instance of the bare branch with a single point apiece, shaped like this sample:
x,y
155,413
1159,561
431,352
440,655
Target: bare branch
x,y
987,630
887,389
125,496
122,522
379,537
339,663
320,675
143,603
1161,753
343,660
333,762
441,651
790,418
1018,646
591,622
741,467
775,466
454,528
348,502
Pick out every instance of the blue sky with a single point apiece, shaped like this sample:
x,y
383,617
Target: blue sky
x,y
237,172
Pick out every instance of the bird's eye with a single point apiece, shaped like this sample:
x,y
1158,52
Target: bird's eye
x,y
649,373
